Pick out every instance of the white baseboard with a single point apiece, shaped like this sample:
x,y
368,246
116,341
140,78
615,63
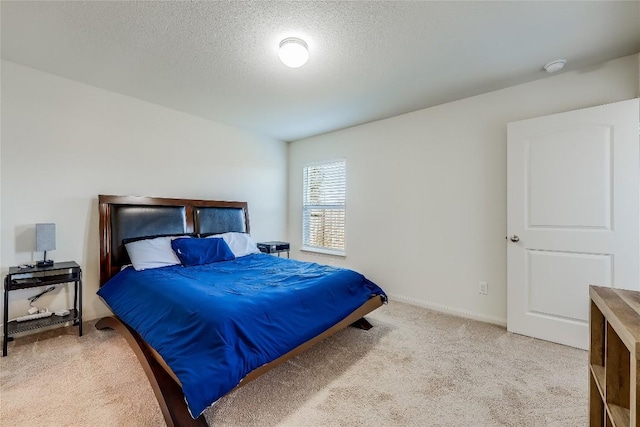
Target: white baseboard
x,y
450,310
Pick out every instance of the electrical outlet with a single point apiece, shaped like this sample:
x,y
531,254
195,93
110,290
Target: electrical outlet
x,y
483,288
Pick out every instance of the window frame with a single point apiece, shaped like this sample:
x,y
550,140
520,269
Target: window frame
x,y
306,247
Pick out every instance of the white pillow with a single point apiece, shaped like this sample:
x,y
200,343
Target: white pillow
x,y
152,253
241,244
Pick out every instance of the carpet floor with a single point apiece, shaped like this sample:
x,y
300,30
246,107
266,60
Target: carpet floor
x,y
416,367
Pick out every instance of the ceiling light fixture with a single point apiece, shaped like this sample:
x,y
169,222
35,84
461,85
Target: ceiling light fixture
x,y
556,65
293,52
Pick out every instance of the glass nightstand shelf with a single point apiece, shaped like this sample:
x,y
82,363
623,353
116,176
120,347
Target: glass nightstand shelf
x,y
274,247
31,277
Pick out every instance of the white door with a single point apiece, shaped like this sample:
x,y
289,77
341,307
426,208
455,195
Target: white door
x,y
573,217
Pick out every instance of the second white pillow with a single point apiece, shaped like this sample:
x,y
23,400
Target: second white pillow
x,y
241,244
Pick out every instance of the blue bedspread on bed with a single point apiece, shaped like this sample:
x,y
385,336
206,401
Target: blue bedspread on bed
x,y
213,324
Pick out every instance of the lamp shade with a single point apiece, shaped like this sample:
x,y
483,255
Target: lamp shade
x,y
293,52
45,237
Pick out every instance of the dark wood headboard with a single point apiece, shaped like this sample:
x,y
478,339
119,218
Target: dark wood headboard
x,y
129,217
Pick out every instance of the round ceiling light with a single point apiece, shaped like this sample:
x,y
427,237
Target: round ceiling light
x,y
556,65
293,52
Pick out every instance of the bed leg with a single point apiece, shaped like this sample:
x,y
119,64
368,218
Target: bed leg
x,y
168,392
362,323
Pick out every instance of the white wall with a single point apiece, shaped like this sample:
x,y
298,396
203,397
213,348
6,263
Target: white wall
x,y
64,142
426,191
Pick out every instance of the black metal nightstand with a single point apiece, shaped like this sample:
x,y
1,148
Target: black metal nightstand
x,y
32,277
274,247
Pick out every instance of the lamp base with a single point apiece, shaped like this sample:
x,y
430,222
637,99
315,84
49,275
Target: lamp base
x,y
45,263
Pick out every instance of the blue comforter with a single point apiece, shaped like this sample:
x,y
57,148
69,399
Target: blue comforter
x,y
213,324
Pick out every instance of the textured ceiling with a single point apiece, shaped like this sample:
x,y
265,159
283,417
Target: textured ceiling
x,y
369,60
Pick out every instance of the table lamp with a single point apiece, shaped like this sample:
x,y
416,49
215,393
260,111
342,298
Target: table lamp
x,y
45,241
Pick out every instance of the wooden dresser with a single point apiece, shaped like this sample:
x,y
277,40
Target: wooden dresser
x,y
614,358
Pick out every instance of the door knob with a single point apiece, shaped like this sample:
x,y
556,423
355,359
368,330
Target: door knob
x,y
514,238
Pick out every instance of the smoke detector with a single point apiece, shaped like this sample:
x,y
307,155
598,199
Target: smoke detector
x,y
556,65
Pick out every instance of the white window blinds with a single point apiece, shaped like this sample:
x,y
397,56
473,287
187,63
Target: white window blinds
x,y
323,210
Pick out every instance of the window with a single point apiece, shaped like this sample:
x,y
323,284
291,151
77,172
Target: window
x,y
323,207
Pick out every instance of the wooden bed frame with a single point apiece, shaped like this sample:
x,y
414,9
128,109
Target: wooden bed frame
x,y
125,217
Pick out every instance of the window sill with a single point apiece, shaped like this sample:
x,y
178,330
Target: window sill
x,y
340,254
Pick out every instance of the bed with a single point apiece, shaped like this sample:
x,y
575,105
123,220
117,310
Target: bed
x,y
188,322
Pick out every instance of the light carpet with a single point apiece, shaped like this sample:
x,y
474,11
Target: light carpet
x,y
416,367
